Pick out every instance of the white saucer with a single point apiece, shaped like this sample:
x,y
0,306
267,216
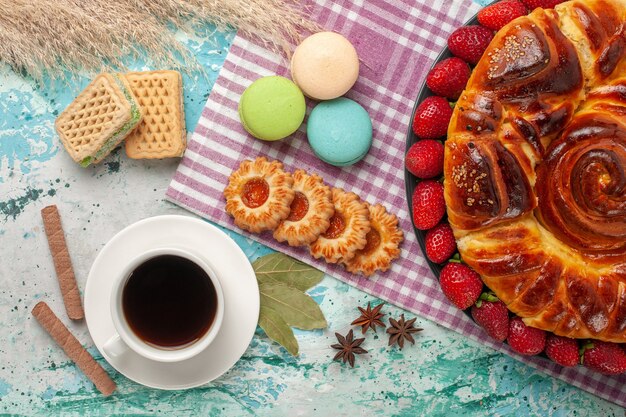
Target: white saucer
x,y
241,299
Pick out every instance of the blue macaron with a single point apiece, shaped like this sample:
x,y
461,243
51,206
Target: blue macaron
x,y
339,131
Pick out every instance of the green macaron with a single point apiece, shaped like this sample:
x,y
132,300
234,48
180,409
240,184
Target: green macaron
x,y
272,108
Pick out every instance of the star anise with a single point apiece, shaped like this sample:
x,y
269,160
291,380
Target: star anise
x,y
370,318
401,330
348,347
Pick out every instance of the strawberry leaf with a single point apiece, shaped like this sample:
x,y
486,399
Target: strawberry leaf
x,y
585,346
488,296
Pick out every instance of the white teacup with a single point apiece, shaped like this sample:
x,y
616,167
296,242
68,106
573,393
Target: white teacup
x,y
126,339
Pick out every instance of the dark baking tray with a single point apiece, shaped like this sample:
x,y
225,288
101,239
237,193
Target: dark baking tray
x,y
410,181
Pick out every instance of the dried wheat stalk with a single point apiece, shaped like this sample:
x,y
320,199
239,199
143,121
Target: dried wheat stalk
x,y
42,37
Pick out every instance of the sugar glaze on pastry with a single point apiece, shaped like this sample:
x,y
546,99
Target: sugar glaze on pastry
x,y
535,180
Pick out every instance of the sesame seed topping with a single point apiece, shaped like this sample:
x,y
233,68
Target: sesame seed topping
x,y
513,49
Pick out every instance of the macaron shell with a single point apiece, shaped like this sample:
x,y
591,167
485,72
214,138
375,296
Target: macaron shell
x,y
272,108
325,66
339,131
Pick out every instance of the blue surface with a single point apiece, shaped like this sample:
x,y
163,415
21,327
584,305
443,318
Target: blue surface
x,y
442,375
339,131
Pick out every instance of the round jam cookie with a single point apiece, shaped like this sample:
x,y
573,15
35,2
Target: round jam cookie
x,y
272,108
311,210
339,131
348,228
383,243
325,66
259,195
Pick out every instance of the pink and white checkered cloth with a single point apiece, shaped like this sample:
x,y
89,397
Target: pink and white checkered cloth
x,y
397,41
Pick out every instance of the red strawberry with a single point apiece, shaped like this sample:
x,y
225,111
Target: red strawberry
x,y
461,284
562,350
428,204
425,158
432,117
469,42
492,315
544,4
449,77
524,339
499,14
440,246
604,357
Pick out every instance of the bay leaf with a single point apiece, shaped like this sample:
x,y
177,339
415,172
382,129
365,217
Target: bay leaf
x,y
295,307
278,267
277,329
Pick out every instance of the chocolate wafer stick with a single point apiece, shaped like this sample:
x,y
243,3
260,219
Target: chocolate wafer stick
x,y
62,262
72,347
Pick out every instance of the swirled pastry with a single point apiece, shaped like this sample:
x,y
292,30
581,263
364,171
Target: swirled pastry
x,y
535,169
382,246
259,195
310,210
348,227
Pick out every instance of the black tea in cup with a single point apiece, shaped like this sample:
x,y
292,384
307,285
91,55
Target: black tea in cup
x,y
169,301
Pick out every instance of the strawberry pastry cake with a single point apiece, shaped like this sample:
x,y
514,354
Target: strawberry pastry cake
x,y
534,176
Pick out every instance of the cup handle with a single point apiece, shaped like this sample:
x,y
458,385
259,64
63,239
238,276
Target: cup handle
x,y
115,346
